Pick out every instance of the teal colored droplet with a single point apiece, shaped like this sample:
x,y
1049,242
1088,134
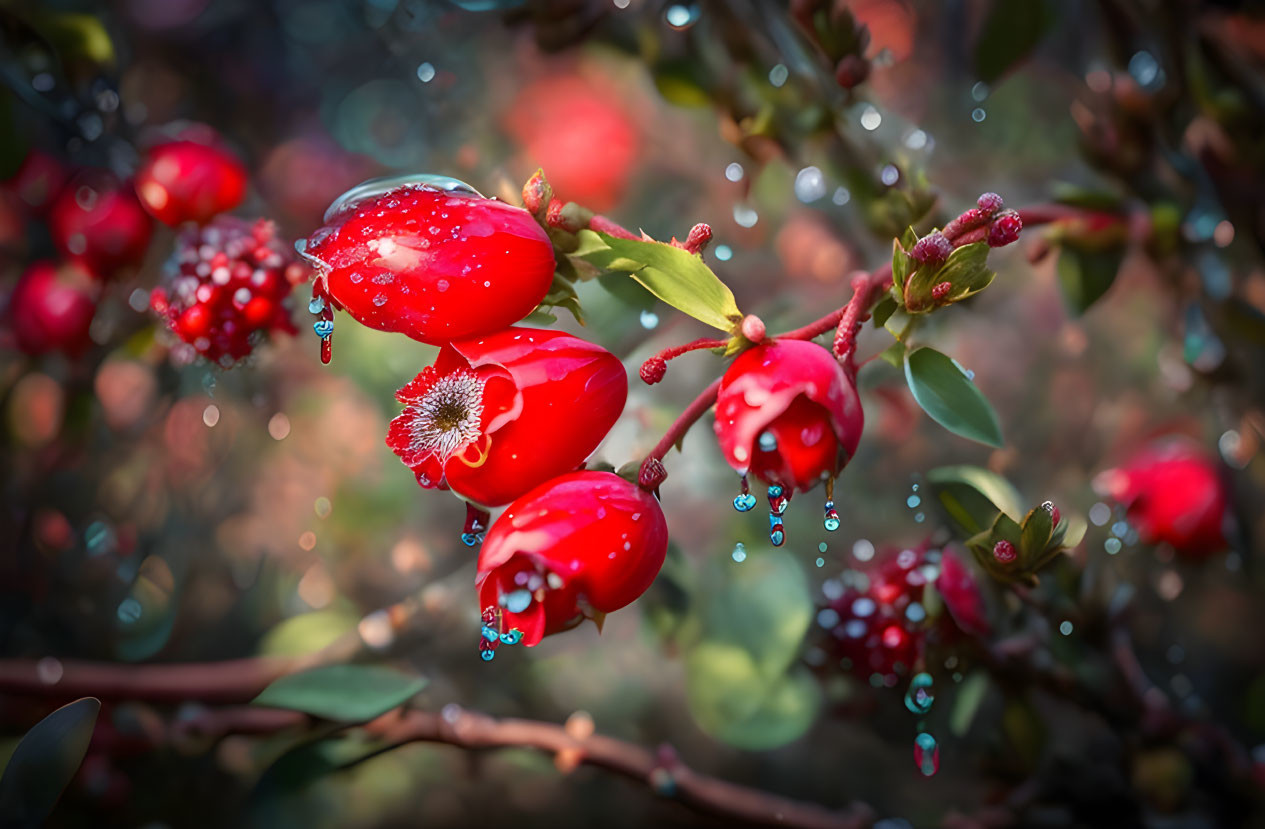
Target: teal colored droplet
x,y
919,697
926,754
488,655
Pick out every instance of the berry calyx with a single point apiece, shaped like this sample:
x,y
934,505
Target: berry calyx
x,y
226,286
436,265
183,181
578,546
497,415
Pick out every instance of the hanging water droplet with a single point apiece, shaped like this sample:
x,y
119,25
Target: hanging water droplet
x,y
778,499
926,754
831,521
323,328
744,502
487,655
777,533
740,553
512,637
472,539
489,633
316,305
920,696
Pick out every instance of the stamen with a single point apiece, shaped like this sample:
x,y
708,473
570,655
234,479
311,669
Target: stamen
x,y
446,416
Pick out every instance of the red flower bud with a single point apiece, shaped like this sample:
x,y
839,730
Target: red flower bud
x,y
652,370
436,265
990,203
851,71
185,181
961,594
226,283
51,308
580,545
497,415
1175,495
1004,552
1004,229
787,413
97,220
932,248
941,290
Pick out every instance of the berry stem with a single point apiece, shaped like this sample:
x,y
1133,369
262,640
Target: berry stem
x,y
653,368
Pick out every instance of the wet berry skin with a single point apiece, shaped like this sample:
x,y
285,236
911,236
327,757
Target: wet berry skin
x,y
787,413
578,546
499,414
51,308
1175,494
96,220
434,265
186,181
226,285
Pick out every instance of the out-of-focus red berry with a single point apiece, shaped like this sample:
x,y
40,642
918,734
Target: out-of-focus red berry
x,y
432,264
1175,494
97,220
787,413
51,308
500,414
225,285
580,545
38,180
186,181
580,134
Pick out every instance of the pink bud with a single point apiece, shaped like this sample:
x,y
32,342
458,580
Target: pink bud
x,y
753,328
652,474
1005,229
698,237
934,247
1004,552
652,370
990,203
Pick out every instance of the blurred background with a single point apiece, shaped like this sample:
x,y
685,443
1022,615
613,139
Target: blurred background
x,y
161,509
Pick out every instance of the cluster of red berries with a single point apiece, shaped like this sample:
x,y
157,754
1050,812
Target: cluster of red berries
x,y
225,285
877,622
102,225
505,415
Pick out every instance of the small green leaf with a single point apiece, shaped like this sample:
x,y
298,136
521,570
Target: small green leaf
x,y
679,278
966,702
346,693
1037,529
884,310
1075,532
1010,32
898,324
1085,276
44,762
945,393
902,264
894,354
972,496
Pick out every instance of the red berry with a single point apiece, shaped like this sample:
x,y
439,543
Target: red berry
x,y
38,180
932,248
185,181
787,413
1175,495
989,203
98,221
580,545
941,291
961,593
497,415
851,71
652,370
225,286
51,308
1004,552
435,265
1004,229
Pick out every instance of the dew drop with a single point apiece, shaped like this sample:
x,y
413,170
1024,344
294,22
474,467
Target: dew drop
x,y
681,16
921,694
517,601
926,754
740,553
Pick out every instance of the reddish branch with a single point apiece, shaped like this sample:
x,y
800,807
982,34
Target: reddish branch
x,y
661,770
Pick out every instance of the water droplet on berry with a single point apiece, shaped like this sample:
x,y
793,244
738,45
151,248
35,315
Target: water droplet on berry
x,y
379,300
472,539
777,533
920,696
681,16
778,499
768,442
744,501
512,637
373,188
831,521
316,305
926,754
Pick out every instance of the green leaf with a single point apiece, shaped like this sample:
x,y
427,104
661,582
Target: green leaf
x,y
1075,532
966,271
346,693
44,762
945,393
679,278
894,355
884,310
732,701
764,606
308,632
310,761
1037,529
1012,29
902,264
966,702
972,496
1085,276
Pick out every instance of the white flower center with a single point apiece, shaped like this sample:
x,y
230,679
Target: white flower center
x,y
447,416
